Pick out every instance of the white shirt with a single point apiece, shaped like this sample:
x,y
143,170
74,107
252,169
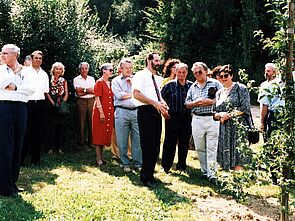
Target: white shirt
x,y
143,82
41,81
89,82
22,80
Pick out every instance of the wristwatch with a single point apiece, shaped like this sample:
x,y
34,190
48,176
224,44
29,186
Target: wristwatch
x,y
85,90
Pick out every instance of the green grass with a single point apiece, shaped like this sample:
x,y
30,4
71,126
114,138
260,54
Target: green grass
x,y
72,187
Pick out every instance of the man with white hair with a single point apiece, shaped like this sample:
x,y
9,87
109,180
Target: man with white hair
x,y
15,87
270,99
201,100
126,117
84,85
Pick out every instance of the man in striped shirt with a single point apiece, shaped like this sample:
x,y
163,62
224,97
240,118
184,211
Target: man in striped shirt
x,y
201,99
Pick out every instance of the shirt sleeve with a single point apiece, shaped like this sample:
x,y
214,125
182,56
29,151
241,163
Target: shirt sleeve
x,y
98,90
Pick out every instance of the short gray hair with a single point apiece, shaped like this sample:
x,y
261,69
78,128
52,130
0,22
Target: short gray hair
x,y
202,64
181,65
272,66
83,62
13,48
125,60
56,64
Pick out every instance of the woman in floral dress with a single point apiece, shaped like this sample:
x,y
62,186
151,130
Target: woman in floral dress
x,y
58,93
232,103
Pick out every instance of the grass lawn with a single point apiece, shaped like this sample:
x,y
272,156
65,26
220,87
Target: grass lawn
x,y
72,187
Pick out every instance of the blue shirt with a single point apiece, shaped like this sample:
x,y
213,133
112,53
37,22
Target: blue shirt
x,y
174,95
121,87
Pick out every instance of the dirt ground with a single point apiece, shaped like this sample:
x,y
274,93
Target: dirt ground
x,y
227,209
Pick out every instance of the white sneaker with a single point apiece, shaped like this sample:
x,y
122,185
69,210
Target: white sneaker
x,y
127,169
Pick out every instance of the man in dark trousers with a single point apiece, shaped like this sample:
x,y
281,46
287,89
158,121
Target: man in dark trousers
x,y
178,128
15,87
146,85
36,132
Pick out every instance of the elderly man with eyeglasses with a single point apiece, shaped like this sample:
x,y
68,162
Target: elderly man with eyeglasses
x,y
201,99
15,87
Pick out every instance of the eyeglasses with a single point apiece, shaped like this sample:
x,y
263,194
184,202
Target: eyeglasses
x,y
198,72
111,70
37,58
223,76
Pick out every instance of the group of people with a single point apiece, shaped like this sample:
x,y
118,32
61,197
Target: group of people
x,y
132,106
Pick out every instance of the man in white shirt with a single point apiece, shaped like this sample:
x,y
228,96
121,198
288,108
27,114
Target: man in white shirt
x,y
84,85
36,132
15,87
146,86
270,99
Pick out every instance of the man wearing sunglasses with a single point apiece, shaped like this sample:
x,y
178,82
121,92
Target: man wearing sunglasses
x,y
201,99
84,85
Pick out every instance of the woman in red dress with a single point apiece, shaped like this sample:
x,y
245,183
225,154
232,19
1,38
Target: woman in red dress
x,y
103,112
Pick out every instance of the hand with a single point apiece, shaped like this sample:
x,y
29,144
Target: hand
x,y
101,116
163,108
10,87
261,128
224,116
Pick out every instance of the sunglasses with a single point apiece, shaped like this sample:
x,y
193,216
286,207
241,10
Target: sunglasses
x,y
223,76
111,70
198,72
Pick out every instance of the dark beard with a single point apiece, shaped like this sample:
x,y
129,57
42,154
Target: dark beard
x,y
156,67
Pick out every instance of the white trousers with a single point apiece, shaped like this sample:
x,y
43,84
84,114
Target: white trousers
x,y
205,133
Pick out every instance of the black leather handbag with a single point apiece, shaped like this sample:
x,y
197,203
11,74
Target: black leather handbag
x,y
253,132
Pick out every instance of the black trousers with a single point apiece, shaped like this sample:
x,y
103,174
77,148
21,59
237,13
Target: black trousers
x,y
272,123
36,131
150,128
178,130
13,120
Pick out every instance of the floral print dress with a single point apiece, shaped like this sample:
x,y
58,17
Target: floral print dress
x,y
230,139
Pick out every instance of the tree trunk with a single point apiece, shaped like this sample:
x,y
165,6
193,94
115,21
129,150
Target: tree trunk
x,y
289,86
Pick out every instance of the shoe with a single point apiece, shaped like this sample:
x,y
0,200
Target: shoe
x,y
138,168
204,177
50,152
213,180
60,152
20,189
149,184
167,171
126,169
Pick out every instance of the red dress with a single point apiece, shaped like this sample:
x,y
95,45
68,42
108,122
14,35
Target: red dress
x,y
102,130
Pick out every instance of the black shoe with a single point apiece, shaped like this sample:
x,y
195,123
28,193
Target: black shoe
x,y
213,180
149,184
204,177
20,189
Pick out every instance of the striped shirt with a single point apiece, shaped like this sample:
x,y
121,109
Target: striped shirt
x,y
195,92
174,95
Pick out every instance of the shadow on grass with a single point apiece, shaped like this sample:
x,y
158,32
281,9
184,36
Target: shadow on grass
x,y
15,208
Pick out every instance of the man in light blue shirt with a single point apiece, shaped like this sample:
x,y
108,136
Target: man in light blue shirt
x,y
126,117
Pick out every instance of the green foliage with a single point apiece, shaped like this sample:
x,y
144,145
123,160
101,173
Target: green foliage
x,y
5,23
215,32
65,31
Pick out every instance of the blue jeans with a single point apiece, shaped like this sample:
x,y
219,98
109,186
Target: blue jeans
x,y
125,125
